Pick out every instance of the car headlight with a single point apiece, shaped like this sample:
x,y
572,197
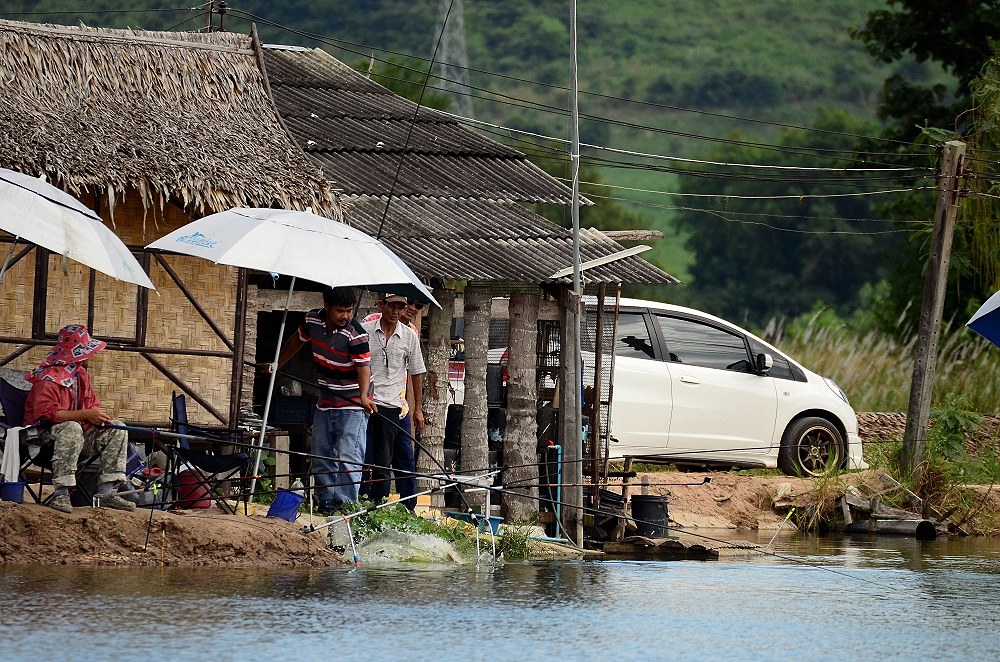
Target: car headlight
x,y
836,389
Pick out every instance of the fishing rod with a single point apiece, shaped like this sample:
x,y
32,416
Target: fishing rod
x,y
449,479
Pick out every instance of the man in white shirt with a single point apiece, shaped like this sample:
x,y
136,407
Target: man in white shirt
x,y
396,360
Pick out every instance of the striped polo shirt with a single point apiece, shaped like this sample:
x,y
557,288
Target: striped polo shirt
x,y
337,353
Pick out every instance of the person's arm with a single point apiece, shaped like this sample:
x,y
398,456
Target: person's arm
x,y
364,383
292,347
417,386
50,402
93,416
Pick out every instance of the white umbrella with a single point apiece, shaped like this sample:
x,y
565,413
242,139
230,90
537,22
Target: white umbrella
x,y
36,211
297,244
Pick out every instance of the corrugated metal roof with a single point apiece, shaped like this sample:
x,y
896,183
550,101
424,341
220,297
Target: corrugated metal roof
x,y
490,241
454,211
437,175
339,117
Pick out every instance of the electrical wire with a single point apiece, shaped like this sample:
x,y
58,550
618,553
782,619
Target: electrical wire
x,y
367,53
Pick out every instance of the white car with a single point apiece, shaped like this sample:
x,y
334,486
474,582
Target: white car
x,y
695,389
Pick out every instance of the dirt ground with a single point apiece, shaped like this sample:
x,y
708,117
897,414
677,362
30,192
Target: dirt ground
x,y
35,534
32,534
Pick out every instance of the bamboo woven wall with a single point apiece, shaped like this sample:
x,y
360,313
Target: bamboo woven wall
x,y
131,387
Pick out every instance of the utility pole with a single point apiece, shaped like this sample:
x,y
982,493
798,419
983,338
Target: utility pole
x,y
455,58
932,308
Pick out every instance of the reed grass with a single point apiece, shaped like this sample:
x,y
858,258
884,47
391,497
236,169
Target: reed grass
x,y
875,370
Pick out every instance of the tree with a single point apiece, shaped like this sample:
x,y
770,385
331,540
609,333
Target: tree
x,y
766,247
958,37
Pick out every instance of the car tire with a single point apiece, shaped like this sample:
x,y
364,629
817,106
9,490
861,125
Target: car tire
x,y
811,446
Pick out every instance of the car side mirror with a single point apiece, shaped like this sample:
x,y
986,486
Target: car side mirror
x,y
763,363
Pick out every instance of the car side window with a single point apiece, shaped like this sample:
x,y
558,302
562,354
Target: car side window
x,y
780,369
632,337
696,343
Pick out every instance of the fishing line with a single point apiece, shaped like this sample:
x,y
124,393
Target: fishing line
x,y
593,511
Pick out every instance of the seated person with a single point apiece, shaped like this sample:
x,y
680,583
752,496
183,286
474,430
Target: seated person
x,y
62,394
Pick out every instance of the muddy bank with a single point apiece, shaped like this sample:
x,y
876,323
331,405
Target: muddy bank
x,y
30,533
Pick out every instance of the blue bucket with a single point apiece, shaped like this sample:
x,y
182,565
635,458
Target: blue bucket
x,y
13,492
286,505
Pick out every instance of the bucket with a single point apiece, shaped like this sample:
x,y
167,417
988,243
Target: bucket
x,y
286,505
650,514
191,491
13,491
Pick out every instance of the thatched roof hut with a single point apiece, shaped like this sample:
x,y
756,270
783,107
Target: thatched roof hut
x,y
150,129
181,117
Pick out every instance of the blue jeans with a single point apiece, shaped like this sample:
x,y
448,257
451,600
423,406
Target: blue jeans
x,y
403,461
338,446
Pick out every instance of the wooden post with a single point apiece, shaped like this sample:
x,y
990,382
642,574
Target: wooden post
x,y
520,448
569,433
475,443
931,309
436,393
597,388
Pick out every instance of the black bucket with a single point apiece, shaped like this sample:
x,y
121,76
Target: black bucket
x,y
650,514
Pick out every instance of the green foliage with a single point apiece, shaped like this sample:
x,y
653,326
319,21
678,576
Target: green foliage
x,y
407,79
953,421
512,541
756,258
264,492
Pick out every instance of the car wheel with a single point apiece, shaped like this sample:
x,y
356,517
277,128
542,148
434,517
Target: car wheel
x,y
811,446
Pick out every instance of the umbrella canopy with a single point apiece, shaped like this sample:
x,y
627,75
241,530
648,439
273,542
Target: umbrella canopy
x,y
296,243
36,211
986,321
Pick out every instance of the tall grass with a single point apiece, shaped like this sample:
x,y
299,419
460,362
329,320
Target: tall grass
x,y
875,370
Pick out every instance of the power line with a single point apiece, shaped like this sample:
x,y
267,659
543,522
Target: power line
x,y
463,82
682,159
725,196
538,106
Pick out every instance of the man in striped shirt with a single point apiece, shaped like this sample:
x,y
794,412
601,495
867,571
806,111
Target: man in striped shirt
x,y
340,353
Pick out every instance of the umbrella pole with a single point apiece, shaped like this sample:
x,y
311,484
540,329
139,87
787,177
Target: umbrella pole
x,y
6,263
270,388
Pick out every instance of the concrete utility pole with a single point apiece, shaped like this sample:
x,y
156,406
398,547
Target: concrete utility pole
x,y
932,308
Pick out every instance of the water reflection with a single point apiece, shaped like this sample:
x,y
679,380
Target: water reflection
x,y
817,598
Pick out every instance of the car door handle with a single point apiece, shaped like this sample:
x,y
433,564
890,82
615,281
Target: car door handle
x,y
689,380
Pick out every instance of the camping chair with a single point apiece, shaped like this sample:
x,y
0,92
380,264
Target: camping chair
x,y
37,453
212,469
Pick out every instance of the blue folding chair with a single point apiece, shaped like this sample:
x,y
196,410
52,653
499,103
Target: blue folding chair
x,y
212,467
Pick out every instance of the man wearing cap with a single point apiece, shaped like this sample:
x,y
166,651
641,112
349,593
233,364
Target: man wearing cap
x,y
411,419
396,359
62,395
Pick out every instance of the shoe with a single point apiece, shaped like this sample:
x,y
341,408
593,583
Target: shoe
x,y
116,502
61,503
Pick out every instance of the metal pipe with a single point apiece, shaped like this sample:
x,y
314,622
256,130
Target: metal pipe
x,y
921,529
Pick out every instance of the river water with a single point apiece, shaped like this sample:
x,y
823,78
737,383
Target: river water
x,y
820,598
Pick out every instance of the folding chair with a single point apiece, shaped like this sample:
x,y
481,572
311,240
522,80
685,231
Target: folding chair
x,y
211,468
34,452
30,450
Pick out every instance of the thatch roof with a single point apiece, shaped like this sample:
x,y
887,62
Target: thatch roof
x,y
180,116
